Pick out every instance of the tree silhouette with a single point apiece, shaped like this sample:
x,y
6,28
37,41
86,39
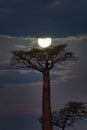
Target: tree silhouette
x,y
43,60
69,115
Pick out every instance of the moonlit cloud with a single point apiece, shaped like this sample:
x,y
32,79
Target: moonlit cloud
x,y
9,43
55,5
3,72
64,75
67,5
23,71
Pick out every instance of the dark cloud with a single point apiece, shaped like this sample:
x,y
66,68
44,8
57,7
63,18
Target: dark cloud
x,y
38,17
2,86
68,5
55,5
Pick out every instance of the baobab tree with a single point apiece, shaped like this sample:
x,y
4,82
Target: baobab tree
x,y
43,60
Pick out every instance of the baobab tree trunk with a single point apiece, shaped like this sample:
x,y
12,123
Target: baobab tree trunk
x,y
63,128
46,105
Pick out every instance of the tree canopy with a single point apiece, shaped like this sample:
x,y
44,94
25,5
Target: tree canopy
x,y
41,58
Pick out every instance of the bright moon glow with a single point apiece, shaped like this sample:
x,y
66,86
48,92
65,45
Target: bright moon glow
x,y
44,42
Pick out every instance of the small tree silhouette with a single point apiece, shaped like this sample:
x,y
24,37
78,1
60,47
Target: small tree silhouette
x,y
43,60
69,115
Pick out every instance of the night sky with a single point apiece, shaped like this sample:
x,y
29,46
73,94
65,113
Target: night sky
x,y
43,17
22,22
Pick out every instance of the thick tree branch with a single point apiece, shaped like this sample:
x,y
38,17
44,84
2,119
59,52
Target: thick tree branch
x,y
40,59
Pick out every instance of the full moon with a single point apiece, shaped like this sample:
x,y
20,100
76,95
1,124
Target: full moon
x,y
44,42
